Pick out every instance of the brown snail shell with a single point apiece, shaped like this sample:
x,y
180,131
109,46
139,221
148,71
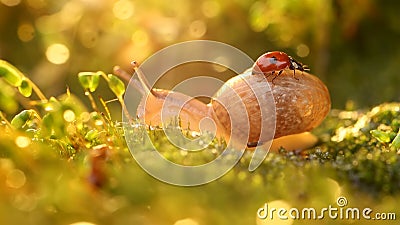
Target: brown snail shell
x,y
301,102
301,105
223,107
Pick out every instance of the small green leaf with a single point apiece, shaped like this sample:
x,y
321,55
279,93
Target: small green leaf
x,y
23,118
89,80
8,102
53,125
3,70
10,74
116,85
91,135
382,136
25,88
396,141
47,124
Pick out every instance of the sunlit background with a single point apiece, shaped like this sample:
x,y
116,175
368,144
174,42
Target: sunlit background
x,y
353,46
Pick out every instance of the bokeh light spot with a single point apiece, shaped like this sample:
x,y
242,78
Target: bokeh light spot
x,y
303,50
22,141
258,20
15,178
57,53
210,8
6,164
99,122
166,28
197,28
26,32
71,13
123,9
334,188
25,202
10,2
278,204
187,221
82,223
69,115
85,117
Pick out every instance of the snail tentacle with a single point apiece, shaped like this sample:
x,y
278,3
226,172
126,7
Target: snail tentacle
x,y
143,80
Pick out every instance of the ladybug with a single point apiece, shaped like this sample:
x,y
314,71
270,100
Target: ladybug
x,y
274,61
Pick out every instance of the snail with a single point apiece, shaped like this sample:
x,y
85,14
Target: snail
x,y
300,103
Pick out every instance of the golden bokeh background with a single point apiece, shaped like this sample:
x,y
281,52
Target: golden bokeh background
x,y
353,46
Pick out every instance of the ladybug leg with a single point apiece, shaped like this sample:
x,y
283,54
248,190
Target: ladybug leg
x,y
293,65
294,74
271,74
280,72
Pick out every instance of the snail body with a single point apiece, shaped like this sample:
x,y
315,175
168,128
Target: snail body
x,y
298,105
191,111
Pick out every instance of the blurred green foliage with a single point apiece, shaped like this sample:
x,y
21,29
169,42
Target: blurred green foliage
x,y
352,45
62,163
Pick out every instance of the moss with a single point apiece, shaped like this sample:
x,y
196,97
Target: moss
x,y
349,160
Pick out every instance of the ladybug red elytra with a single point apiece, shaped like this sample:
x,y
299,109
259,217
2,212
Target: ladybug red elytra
x,y
271,62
